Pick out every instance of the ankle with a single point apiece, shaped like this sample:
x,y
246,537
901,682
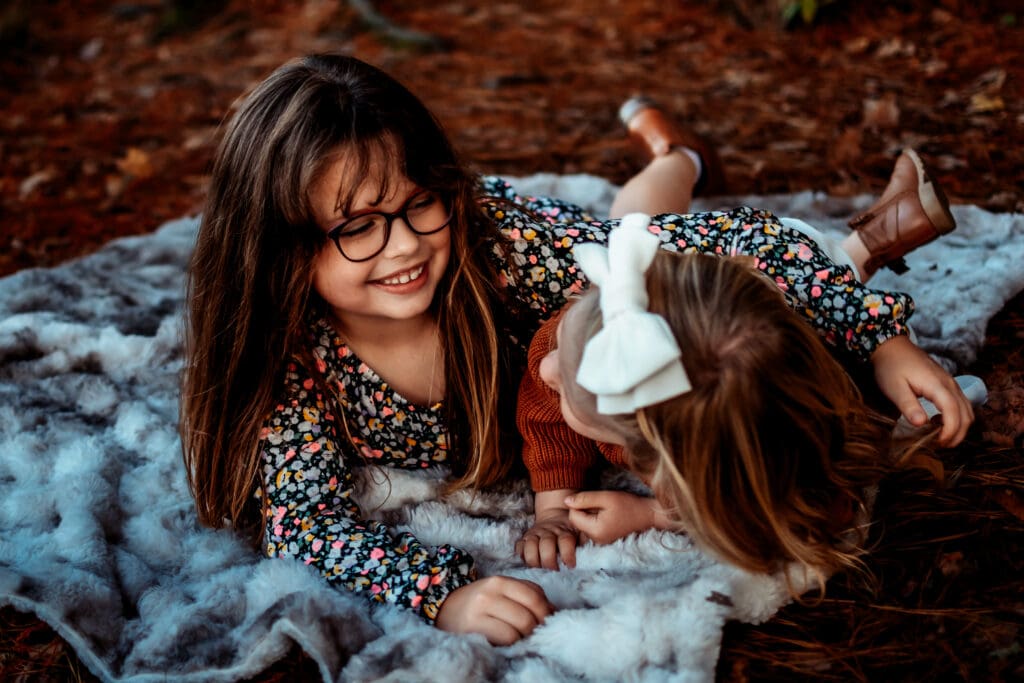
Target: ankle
x,y
858,252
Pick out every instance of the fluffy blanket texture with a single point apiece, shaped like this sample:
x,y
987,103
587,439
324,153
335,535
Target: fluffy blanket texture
x,y
98,535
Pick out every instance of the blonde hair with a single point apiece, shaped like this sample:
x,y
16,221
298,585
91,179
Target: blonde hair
x,y
765,460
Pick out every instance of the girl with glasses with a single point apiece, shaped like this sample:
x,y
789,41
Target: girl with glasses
x,y
358,296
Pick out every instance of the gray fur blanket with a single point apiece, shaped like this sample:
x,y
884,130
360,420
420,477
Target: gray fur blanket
x,y
98,536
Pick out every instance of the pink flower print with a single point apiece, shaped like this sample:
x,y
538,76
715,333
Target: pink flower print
x,y
423,582
278,529
804,252
416,600
515,233
376,554
378,395
822,274
572,232
375,589
321,366
279,513
312,447
363,367
371,452
654,229
338,545
308,384
317,544
289,454
386,411
815,291
532,259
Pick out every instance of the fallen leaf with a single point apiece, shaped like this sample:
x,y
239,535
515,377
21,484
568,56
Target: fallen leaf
x,y
29,185
135,163
881,113
981,103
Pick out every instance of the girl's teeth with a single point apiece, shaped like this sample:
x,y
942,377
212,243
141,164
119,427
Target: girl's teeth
x,y
404,277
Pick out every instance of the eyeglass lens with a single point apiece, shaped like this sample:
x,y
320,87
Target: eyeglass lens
x,y
364,236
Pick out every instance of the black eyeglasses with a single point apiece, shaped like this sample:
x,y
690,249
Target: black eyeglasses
x,y
363,236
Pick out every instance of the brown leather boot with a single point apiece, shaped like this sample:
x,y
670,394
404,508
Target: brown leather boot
x,y
651,128
912,211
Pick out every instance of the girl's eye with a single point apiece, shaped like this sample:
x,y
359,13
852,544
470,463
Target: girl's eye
x,y
357,226
423,201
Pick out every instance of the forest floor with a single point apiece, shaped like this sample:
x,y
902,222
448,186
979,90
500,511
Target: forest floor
x,y
110,112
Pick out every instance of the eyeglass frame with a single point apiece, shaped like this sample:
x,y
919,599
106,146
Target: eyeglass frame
x,y
403,212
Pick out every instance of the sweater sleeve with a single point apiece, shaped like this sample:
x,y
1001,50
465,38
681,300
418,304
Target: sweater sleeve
x,y
555,456
312,517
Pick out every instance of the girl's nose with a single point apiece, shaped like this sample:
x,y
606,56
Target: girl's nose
x,y
402,239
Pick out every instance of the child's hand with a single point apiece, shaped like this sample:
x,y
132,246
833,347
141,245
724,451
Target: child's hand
x,y
551,535
501,608
904,372
604,516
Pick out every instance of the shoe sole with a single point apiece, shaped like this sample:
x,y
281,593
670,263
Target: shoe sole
x,y
933,199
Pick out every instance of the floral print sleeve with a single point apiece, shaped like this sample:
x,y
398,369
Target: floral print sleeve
x,y
541,270
312,516
845,312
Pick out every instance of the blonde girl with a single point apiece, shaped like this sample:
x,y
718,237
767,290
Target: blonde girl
x,y
694,372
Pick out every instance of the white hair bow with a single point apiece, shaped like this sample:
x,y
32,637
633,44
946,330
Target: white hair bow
x,y
634,360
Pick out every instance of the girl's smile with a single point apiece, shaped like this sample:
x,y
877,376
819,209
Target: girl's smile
x,y
398,284
412,276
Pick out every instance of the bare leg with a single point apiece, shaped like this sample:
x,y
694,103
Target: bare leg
x,y
665,185
858,253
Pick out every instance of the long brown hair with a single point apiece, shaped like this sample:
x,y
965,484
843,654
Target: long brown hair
x,y
250,281
767,458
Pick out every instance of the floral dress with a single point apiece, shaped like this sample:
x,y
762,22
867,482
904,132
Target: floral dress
x,y
308,452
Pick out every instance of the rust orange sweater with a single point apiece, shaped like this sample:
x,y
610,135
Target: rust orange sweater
x,y
555,455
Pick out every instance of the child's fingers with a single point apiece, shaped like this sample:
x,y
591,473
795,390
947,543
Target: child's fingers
x,y
567,548
549,551
531,551
905,400
531,597
584,500
585,522
957,416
